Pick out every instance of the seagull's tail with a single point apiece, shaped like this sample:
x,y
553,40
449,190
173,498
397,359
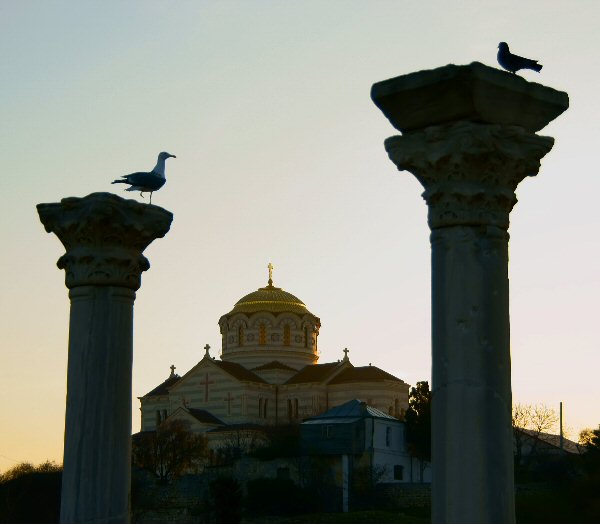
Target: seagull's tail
x,y
532,64
119,182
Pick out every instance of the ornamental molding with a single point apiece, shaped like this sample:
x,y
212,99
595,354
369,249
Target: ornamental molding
x,y
104,236
469,170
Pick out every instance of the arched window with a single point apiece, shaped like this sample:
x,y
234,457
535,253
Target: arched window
x,y
262,334
265,408
305,337
240,336
286,335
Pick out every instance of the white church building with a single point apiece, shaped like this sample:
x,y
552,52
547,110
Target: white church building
x,y
268,373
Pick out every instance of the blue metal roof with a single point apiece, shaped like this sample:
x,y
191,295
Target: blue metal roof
x,y
352,409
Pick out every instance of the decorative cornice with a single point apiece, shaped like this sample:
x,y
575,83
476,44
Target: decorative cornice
x,y
104,236
469,170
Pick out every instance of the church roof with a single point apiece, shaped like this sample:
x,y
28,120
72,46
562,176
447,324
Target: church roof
x,y
363,374
271,299
201,415
238,371
237,427
353,409
274,364
313,373
163,389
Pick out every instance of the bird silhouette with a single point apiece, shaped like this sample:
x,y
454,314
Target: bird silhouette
x,y
147,182
512,62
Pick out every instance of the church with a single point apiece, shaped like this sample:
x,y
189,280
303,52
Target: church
x,y
268,373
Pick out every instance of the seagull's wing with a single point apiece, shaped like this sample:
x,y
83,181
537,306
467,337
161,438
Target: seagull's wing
x,y
147,180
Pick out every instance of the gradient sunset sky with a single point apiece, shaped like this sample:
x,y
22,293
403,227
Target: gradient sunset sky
x,y
280,158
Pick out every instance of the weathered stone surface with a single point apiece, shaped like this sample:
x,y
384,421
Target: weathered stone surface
x,y
469,171
474,92
104,236
471,388
469,138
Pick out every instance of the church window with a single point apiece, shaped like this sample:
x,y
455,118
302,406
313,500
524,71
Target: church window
x,y
262,334
265,408
260,407
240,336
328,431
158,421
398,472
305,337
295,408
290,412
164,414
388,436
286,335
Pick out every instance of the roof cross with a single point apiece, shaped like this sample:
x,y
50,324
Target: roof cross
x,y
270,267
206,348
172,370
346,351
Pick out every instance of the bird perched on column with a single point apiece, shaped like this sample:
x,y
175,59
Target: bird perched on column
x,y
512,62
147,182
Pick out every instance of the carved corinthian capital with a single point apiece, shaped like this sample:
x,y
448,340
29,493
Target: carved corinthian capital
x,y
104,236
469,170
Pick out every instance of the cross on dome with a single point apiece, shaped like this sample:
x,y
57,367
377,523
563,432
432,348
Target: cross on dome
x,y
270,267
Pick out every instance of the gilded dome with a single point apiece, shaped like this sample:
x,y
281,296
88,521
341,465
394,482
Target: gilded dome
x,y
271,299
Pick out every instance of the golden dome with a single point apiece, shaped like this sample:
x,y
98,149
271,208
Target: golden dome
x,y
271,299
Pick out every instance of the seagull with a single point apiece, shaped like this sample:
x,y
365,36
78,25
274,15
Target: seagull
x,y
512,62
147,182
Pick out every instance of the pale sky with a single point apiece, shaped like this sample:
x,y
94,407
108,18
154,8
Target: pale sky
x,y
280,158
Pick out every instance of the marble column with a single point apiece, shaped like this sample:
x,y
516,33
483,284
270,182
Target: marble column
x,y
469,137
104,236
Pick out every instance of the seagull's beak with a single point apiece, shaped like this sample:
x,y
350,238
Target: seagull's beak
x,y
172,156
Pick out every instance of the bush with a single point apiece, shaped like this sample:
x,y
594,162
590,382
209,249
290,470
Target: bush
x,y
278,497
30,494
225,501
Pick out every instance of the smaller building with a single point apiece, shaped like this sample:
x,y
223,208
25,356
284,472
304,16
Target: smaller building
x,y
368,437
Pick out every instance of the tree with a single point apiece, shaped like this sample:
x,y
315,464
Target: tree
x,y
25,483
590,440
169,451
528,423
418,424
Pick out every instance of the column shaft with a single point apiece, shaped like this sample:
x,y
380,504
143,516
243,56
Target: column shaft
x,y
471,391
97,466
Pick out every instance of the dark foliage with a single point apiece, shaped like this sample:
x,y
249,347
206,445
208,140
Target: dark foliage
x,y
30,494
169,451
418,422
279,497
284,441
225,501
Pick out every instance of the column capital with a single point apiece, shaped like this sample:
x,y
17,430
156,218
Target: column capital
x,y
469,170
104,236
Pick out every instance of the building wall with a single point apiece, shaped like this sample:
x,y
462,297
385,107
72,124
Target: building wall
x,y
388,396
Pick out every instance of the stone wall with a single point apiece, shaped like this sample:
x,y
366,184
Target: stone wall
x,y
403,495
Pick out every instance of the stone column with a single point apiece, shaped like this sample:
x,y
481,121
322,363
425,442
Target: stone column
x,y
104,236
468,136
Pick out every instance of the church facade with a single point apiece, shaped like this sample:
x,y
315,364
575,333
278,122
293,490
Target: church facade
x,y
268,373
